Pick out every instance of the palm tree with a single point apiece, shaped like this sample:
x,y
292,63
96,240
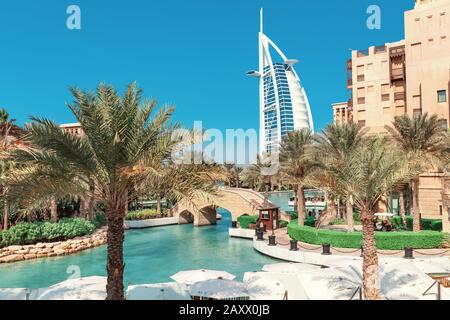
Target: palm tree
x,y
122,137
172,181
296,164
423,140
251,177
336,144
373,169
263,174
11,139
233,174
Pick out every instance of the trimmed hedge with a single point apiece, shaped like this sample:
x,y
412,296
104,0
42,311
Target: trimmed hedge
x,y
283,224
384,240
29,233
245,221
309,221
142,214
427,224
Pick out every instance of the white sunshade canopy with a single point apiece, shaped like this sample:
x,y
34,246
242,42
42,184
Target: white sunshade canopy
x,y
434,265
193,276
274,286
290,267
219,289
158,291
89,288
398,281
14,294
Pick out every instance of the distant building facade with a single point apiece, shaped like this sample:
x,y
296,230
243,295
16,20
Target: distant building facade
x,y
73,128
411,76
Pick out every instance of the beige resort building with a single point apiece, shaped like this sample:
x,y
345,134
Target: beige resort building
x,y
409,76
73,128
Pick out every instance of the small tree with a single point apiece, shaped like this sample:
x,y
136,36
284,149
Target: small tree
x,y
372,170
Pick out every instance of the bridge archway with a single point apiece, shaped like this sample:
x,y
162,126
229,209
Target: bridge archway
x,y
235,200
185,217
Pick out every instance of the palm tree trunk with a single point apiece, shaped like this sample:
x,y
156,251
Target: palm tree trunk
x,y
115,263
415,205
91,200
158,204
401,206
371,285
300,205
53,211
5,212
333,208
349,213
84,208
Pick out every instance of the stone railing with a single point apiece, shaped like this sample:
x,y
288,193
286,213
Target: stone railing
x,y
53,249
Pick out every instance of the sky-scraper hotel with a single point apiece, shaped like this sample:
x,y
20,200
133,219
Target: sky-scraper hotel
x,y
284,106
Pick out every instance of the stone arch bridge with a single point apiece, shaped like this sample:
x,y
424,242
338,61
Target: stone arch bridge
x,y
202,211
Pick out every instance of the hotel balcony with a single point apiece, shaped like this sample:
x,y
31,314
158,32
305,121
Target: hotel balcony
x,y
349,71
397,59
399,96
397,74
350,105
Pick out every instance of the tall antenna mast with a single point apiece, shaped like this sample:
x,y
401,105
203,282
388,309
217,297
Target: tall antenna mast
x,y
261,21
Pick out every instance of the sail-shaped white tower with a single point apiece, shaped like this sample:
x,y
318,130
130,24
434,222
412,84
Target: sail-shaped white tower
x,y
284,106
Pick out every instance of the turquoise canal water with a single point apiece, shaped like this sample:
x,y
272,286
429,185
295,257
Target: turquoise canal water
x,y
281,199
151,256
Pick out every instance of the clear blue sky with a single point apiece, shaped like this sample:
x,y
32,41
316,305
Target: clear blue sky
x,y
193,54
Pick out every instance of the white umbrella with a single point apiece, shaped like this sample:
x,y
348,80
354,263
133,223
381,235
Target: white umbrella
x,y
219,289
274,286
158,291
192,276
289,267
331,283
433,265
398,281
89,288
14,294
406,281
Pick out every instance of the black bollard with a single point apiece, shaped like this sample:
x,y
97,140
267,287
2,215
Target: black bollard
x,y
259,235
272,241
256,230
234,224
409,254
294,246
326,249
361,251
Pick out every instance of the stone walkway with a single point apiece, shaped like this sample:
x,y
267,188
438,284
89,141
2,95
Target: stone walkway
x,y
283,240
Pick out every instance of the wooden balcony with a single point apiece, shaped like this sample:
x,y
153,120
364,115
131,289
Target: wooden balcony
x,y
398,51
397,74
399,96
349,72
350,104
397,61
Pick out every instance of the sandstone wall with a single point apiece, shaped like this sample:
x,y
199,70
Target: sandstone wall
x,y
53,249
